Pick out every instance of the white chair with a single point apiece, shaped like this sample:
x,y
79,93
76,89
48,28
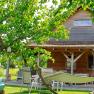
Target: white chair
x,y
36,82
61,85
55,85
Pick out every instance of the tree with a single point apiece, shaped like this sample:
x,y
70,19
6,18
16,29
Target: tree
x,y
22,22
26,21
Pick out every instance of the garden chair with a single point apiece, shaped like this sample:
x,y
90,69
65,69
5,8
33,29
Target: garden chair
x,y
19,75
55,85
27,78
36,82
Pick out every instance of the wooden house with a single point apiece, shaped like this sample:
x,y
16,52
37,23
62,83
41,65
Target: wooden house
x,y
77,53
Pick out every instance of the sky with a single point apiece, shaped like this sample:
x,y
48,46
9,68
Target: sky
x,y
49,3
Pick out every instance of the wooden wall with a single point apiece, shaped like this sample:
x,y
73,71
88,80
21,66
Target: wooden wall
x,y
82,64
60,62
80,14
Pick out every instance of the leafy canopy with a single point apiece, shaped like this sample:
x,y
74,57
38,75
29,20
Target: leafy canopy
x,y
23,22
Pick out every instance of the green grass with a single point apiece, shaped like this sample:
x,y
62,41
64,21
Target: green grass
x,y
73,92
13,73
14,90
1,72
17,90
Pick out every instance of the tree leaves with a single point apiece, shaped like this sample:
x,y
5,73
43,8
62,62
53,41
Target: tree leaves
x,y
32,20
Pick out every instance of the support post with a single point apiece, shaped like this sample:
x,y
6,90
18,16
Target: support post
x,y
72,63
93,60
72,60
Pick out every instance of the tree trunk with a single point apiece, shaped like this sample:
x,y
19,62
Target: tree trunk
x,y
25,61
43,81
1,44
7,70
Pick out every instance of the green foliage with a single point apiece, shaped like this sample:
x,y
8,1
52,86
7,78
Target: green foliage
x,y
1,72
44,56
25,21
13,71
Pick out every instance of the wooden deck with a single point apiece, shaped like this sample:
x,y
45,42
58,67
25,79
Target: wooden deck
x,y
65,87
21,84
15,83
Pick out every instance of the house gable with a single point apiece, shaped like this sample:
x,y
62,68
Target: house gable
x,y
83,30
78,34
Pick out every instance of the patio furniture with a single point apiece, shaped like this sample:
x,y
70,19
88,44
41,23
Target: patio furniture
x,y
32,81
27,78
36,82
55,85
19,75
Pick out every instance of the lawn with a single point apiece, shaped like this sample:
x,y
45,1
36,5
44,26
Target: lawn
x,y
73,92
18,90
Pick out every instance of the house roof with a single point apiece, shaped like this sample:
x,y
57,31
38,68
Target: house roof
x,y
79,38
82,34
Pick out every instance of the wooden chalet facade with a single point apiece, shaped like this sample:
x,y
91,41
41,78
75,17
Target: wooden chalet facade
x,y
77,53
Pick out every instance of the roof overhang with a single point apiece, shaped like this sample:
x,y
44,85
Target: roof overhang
x,y
62,46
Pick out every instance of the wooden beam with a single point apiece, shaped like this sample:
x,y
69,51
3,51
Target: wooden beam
x,y
72,60
66,56
78,57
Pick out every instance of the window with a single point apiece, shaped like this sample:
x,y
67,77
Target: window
x,y
90,61
82,22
